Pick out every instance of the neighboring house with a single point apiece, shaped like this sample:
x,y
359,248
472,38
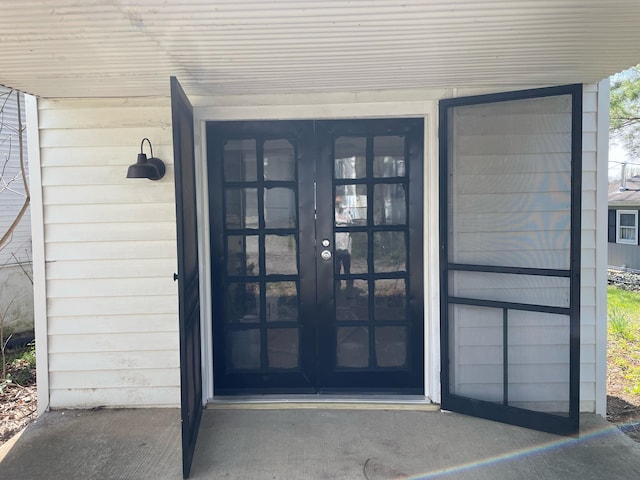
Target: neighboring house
x,y
468,143
16,289
624,206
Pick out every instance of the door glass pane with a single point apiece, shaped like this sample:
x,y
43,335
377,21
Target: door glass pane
x,y
352,300
389,204
351,252
390,300
281,254
279,160
352,347
240,161
282,347
282,302
279,208
244,349
389,252
350,157
351,205
391,346
388,156
241,208
243,302
242,255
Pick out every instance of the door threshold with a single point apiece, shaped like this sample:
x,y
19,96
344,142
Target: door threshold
x,y
323,402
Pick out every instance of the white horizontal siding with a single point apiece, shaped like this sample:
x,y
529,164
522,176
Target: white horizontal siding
x,y
588,273
111,305
110,250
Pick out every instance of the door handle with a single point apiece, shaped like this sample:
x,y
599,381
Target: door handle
x,y
326,255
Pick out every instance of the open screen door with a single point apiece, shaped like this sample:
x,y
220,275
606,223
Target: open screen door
x,y
188,279
510,256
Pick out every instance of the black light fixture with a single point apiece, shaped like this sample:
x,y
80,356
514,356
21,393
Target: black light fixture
x,y
151,168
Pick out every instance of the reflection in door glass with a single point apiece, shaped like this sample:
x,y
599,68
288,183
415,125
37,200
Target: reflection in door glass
x,y
352,300
243,302
279,208
388,157
244,346
390,300
351,252
350,205
352,347
389,204
241,208
281,254
282,347
242,255
240,161
391,346
350,157
389,252
282,302
279,160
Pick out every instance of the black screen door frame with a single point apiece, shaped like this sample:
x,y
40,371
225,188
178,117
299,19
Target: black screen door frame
x,y
188,272
559,424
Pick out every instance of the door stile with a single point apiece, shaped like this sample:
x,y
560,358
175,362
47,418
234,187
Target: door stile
x,y
324,231
309,313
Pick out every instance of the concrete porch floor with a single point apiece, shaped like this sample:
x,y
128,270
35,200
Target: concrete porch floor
x,y
311,443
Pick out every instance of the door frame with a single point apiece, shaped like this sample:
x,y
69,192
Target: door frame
x,y
331,111
314,140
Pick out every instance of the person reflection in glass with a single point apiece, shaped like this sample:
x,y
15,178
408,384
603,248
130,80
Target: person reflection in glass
x,y
343,244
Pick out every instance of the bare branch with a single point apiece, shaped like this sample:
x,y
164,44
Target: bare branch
x,y
7,235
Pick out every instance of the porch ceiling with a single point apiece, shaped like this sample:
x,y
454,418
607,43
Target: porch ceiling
x,y
106,48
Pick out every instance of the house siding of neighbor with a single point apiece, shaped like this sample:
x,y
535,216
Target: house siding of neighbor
x,y
15,255
624,210
106,297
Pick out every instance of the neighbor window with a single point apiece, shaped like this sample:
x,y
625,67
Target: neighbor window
x,y
627,231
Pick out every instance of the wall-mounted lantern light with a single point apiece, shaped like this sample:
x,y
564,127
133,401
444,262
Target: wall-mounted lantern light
x,y
151,168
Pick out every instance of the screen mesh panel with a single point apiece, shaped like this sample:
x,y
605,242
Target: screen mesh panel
x,y
509,230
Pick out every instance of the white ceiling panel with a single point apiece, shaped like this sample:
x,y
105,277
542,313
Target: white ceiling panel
x,y
107,48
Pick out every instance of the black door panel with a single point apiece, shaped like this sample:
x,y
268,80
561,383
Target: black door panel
x,y
313,225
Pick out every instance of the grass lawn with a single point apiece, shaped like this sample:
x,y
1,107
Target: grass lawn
x,y
623,349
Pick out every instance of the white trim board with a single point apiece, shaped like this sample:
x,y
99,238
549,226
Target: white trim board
x,y
422,109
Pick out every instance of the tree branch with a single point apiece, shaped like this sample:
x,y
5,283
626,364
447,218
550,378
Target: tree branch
x,y
27,199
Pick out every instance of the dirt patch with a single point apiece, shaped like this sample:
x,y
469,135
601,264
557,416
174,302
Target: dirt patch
x,y
18,399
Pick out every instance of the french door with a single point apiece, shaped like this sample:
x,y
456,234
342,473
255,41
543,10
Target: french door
x,y
316,231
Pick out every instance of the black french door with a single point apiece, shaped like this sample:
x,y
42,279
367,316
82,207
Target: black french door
x,y
316,231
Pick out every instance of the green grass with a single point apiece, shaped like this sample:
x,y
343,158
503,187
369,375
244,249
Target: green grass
x,y
20,363
623,349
